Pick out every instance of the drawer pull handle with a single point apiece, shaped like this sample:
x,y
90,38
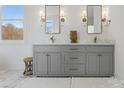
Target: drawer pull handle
x,y
73,57
99,55
47,55
73,69
73,49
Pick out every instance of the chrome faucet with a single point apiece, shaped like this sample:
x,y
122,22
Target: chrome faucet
x,y
95,39
52,39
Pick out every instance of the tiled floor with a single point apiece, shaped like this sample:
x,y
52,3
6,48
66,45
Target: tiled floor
x,y
15,79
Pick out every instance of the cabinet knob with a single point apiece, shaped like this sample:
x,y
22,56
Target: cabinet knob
x,y
73,49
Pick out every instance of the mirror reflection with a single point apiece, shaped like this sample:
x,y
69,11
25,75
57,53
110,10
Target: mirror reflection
x,y
52,24
94,15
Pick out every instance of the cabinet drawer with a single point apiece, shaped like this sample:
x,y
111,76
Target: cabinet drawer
x,y
74,69
100,48
47,48
74,58
73,48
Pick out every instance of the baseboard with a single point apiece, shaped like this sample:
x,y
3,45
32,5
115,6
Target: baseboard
x,y
11,69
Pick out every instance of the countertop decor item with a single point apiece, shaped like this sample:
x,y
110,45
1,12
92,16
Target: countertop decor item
x,y
73,36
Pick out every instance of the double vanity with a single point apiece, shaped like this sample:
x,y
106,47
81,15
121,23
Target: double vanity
x,y
88,59
79,59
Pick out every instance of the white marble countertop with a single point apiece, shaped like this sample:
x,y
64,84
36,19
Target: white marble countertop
x,y
111,43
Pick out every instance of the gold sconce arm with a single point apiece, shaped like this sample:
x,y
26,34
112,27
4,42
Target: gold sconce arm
x,y
106,21
105,16
62,19
84,19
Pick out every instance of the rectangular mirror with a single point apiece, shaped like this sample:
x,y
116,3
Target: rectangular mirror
x,y
52,16
94,16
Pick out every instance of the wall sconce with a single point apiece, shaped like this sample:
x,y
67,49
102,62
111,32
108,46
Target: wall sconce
x,y
62,16
84,16
105,16
42,15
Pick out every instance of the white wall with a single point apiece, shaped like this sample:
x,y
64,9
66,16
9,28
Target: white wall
x,y
117,29
13,52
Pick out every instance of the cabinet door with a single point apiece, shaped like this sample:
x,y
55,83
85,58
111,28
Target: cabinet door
x,y
54,66
106,64
41,63
92,64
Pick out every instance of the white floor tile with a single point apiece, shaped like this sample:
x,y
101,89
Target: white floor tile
x,y
95,82
45,83
15,79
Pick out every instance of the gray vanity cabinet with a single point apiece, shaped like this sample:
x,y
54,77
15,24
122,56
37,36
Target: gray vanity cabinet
x,y
73,60
40,66
54,63
47,63
106,64
46,60
100,60
92,64
74,63
99,64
